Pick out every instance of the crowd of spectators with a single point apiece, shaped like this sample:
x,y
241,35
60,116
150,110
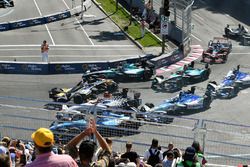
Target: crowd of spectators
x,y
82,151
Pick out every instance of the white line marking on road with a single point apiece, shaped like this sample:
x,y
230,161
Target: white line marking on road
x,y
9,12
199,17
83,56
196,37
91,46
45,24
75,49
80,25
240,53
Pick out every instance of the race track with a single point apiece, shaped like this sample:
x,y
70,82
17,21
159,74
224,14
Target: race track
x,y
87,41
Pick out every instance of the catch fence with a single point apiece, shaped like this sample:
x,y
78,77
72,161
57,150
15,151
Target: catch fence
x,y
223,143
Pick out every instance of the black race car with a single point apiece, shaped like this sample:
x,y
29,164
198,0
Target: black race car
x,y
6,3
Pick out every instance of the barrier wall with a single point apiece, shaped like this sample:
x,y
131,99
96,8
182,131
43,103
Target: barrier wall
x,y
12,67
34,21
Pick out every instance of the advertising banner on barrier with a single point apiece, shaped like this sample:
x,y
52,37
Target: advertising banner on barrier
x,y
19,24
23,68
167,59
36,21
58,16
71,68
4,26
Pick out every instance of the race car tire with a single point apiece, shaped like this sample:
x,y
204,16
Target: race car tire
x,y
78,99
12,4
147,75
207,101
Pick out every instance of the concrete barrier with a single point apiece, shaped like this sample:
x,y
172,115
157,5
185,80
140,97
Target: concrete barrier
x,y
43,68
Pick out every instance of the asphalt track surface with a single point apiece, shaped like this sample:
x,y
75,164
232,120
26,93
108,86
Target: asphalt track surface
x,y
207,25
93,38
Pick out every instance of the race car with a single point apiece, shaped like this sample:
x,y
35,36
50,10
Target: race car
x,y
126,72
235,32
171,84
116,103
108,124
182,103
6,3
83,91
186,75
218,50
234,81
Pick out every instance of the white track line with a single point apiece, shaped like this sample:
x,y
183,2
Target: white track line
x,y
198,17
35,49
9,12
80,25
83,56
90,46
44,24
196,37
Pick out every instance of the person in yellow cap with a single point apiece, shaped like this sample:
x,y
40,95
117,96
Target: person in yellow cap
x,y
44,140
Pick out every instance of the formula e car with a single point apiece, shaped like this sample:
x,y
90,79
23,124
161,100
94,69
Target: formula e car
x,y
234,81
182,103
108,124
184,76
218,50
126,72
83,91
171,84
6,3
235,32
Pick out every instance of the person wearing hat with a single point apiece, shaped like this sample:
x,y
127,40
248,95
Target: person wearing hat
x,y
87,148
43,141
189,159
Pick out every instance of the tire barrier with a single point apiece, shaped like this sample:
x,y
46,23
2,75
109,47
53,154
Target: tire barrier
x,y
6,26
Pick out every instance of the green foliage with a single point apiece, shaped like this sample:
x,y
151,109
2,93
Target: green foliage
x,y
122,18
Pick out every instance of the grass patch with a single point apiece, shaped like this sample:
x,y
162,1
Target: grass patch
x,y
122,18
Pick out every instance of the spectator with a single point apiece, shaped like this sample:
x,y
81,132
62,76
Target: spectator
x,y
5,160
44,139
44,51
153,156
170,148
7,140
87,147
168,160
131,155
199,152
189,159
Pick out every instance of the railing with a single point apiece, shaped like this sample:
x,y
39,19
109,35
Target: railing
x,y
224,143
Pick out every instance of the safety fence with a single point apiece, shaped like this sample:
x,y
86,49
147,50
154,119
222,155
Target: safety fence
x,y
223,143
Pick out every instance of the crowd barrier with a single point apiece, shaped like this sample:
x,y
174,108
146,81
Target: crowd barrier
x,y
223,143
13,67
34,21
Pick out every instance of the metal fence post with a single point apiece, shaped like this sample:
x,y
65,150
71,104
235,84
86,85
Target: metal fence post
x,y
200,131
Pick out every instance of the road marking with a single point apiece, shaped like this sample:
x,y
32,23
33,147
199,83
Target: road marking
x,y
92,46
240,53
83,56
24,49
44,24
196,37
80,24
9,12
199,17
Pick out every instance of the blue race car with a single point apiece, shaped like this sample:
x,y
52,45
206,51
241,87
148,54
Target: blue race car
x,y
234,81
185,101
108,124
125,72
